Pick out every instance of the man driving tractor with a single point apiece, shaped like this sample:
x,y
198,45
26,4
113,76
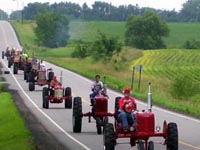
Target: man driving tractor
x,y
42,65
97,86
53,84
127,105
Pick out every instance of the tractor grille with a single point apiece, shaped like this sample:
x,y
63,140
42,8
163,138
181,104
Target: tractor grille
x,y
58,93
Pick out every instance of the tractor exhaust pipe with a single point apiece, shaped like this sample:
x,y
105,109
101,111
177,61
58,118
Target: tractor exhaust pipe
x,y
61,77
149,99
104,86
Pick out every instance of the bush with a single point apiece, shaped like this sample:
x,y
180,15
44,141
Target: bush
x,y
192,44
81,51
183,87
104,47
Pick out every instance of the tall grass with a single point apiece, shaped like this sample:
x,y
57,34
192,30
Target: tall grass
x,y
13,132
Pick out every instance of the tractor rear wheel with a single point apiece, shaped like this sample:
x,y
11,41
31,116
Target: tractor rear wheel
x,y
172,133
50,76
9,62
31,86
117,103
46,100
116,107
77,115
98,125
15,68
109,137
45,92
25,72
150,145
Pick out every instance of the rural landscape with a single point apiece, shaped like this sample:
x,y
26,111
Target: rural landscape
x,y
108,45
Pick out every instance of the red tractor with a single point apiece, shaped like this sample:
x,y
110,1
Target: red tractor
x,y
99,112
38,77
10,54
18,63
143,130
57,95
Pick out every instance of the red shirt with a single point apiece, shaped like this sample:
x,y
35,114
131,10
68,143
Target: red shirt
x,y
123,100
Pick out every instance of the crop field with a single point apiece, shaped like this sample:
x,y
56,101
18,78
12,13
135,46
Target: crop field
x,y
171,63
87,31
160,67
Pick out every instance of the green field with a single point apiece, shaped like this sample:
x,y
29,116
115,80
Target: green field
x,y
13,132
87,32
160,67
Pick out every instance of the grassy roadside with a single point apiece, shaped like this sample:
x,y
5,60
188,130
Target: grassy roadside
x,y
157,68
13,132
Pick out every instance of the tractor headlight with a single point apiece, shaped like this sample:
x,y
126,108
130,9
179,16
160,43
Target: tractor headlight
x,y
131,128
158,128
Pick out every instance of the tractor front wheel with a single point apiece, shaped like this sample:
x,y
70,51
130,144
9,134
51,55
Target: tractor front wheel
x,y
150,145
77,115
172,133
109,137
140,145
3,54
31,86
98,125
45,92
68,102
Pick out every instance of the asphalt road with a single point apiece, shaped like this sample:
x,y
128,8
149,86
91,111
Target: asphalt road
x,y
58,120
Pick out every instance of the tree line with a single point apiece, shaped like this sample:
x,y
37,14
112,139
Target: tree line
x,y
144,29
190,11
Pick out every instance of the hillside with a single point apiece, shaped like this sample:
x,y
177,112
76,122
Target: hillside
x,y
160,67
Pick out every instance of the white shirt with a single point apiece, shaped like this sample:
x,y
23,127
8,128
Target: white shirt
x,y
97,86
42,67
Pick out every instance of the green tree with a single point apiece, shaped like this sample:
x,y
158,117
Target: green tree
x,y
3,15
104,47
52,29
146,31
191,11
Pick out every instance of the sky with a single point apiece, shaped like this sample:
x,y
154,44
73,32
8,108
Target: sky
x,y
11,5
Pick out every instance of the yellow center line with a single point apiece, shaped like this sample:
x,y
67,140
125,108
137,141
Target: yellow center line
x,y
83,99
4,35
189,145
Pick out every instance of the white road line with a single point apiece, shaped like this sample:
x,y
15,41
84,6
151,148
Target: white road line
x,y
48,117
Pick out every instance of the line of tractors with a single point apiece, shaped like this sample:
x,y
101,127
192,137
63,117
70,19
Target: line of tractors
x,y
144,129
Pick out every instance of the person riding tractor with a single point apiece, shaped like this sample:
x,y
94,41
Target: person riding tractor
x,y
53,84
97,86
127,106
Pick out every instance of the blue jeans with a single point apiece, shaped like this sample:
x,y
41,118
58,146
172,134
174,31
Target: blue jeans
x,y
92,95
124,118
